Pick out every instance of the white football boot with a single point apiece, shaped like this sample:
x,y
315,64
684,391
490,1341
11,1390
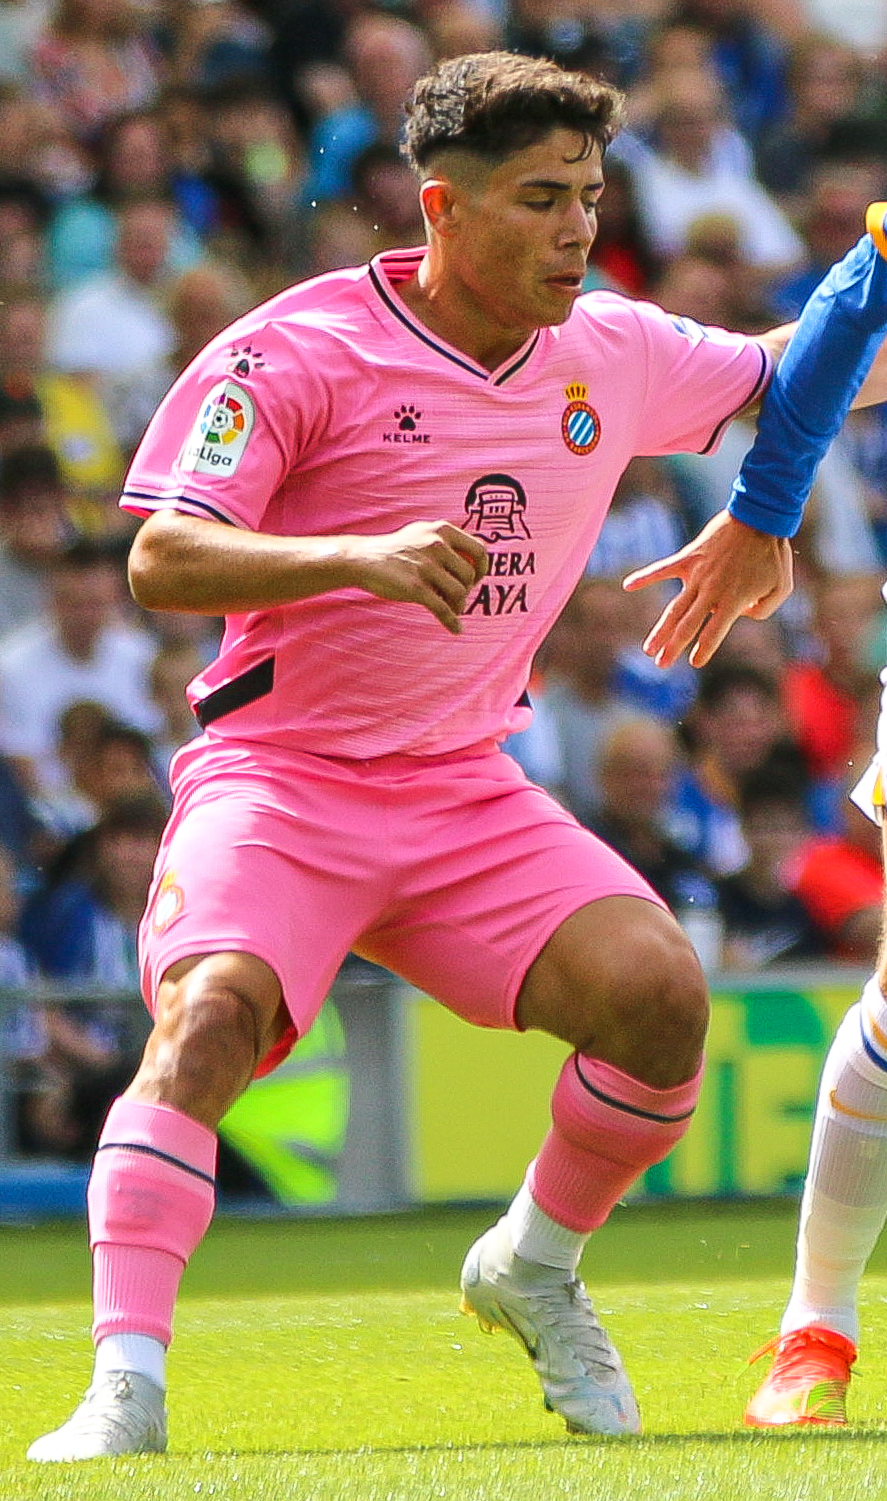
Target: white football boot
x,y
122,1413
550,1314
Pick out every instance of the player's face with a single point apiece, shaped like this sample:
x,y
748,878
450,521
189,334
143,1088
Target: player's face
x,y
524,232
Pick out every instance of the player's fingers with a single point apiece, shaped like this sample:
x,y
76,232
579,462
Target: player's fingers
x,y
449,578
671,567
433,601
676,629
469,549
712,634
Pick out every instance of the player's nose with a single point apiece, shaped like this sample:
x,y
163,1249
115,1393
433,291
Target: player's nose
x,y
576,227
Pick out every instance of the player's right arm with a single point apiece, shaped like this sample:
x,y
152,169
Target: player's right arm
x,y
186,563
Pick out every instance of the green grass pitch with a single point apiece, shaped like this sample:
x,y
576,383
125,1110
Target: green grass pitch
x,y
323,1360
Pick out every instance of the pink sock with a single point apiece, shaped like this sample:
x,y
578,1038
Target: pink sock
x,y
606,1129
150,1200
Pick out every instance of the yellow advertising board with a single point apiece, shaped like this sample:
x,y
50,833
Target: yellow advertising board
x,y
477,1101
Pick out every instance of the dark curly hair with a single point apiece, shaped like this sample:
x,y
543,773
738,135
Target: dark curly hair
x,y
493,104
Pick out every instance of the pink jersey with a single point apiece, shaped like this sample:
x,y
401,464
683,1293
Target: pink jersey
x,y
331,409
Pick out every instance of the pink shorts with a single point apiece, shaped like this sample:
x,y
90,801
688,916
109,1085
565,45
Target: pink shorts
x,y
451,871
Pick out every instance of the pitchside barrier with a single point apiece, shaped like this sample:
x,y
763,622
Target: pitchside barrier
x,y
391,1101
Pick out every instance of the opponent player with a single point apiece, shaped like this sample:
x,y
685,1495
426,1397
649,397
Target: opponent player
x,y
431,441
844,1203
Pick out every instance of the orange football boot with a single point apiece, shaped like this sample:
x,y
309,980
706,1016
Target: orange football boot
x,y
807,1382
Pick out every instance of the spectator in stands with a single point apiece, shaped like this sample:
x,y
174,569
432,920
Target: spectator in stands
x,y
823,82
645,513
175,664
80,650
113,326
831,701
841,188
95,59
21,1033
72,418
210,195
570,31
259,149
201,302
384,55
24,212
748,55
457,27
765,922
81,932
35,529
21,22
27,133
735,726
198,304
644,516
697,163
23,839
586,694
337,237
622,256
637,766
385,195
840,881
16,970
134,160
206,46
113,762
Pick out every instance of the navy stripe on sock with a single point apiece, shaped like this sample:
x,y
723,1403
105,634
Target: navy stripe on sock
x,y
137,1146
871,1051
646,1115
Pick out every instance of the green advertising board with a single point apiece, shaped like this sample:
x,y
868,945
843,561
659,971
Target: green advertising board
x,y
478,1101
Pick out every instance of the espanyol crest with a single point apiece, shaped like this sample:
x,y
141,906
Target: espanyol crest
x,y
580,423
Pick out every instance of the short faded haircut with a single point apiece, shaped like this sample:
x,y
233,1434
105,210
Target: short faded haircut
x,y
493,104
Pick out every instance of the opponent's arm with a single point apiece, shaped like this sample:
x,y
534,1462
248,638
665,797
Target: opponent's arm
x,y
183,562
740,563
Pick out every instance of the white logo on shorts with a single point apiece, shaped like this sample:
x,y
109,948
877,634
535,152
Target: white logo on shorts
x,y
218,439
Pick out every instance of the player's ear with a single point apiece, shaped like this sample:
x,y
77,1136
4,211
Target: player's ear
x,y
438,198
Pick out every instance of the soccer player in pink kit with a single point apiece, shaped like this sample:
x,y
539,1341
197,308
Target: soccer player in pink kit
x,y
389,479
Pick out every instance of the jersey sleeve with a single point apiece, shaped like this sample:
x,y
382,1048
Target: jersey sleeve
x,y
839,332
696,379
229,430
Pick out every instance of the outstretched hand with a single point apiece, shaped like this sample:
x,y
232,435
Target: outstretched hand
x,y
429,563
727,570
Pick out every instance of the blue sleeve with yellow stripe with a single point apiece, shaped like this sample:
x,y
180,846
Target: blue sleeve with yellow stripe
x,y
839,332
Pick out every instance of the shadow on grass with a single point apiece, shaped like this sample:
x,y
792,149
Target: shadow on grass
x,y
653,1441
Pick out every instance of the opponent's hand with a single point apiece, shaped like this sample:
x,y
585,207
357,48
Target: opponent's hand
x,y
429,563
727,570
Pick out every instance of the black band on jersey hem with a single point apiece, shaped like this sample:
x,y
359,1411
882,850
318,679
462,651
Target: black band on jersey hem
x,y
765,366
645,1115
138,1146
168,502
255,683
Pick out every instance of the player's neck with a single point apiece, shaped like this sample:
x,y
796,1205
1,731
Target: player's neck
x,y
450,312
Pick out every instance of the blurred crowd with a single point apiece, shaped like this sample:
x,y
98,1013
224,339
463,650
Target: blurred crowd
x,y
167,164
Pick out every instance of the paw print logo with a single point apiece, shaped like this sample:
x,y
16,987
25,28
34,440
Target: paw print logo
x,y
407,418
244,361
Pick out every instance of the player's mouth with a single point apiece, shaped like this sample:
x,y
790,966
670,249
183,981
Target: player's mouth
x,y
568,282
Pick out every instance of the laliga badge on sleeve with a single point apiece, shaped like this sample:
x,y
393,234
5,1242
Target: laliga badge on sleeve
x,y
218,439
